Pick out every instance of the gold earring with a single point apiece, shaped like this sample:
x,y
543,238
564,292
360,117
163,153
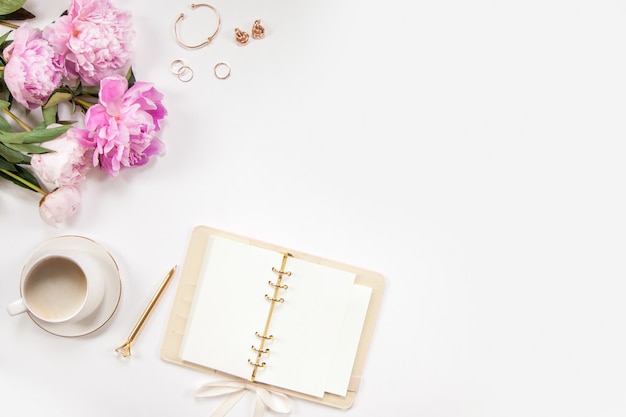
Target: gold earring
x,y
258,31
241,36
209,39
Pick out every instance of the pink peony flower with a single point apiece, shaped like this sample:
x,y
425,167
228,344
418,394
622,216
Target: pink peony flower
x,y
59,205
67,164
124,123
96,39
33,70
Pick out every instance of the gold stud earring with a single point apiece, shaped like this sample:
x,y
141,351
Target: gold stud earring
x,y
241,36
258,31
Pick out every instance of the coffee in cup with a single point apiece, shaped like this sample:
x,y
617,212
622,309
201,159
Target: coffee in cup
x,y
58,287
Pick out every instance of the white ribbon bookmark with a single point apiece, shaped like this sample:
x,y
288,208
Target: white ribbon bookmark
x,y
265,398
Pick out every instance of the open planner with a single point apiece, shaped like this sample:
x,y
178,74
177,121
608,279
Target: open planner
x,y
269,315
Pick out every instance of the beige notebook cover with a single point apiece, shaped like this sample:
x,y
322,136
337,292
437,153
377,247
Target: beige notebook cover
x,y
198,299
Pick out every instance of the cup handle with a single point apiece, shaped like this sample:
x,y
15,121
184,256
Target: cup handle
x,y
16,307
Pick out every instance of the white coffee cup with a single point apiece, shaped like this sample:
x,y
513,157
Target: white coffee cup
x,y
60,286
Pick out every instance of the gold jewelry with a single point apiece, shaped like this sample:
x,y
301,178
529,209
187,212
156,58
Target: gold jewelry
x,y
185,74
241,37
176,66
209,39
221,70
181,70
258,31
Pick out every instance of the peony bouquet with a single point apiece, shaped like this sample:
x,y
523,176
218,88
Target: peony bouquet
x,y
80,62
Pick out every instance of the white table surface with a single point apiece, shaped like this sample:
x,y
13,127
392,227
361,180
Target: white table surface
x,y
472,152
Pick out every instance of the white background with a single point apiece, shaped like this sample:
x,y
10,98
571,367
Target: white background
x,y
471,151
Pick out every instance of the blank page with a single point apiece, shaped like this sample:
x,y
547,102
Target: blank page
x,y
307,326
228,306
348,343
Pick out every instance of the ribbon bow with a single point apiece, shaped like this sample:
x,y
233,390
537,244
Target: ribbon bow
x,y
265,398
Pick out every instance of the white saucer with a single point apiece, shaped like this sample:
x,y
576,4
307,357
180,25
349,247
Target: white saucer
x,y
113,286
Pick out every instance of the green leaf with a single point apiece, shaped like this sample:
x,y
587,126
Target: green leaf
x,y
4,37
34,136
4,104
20,14
10,6
13,156
56,98
28,148
90,90
7,165
22,173
50,114
130,77
5,126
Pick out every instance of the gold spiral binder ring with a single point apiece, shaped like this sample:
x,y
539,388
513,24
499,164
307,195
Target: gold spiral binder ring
x,y
270,337
277,300
279,272
264,351
273,284
209,39
258,365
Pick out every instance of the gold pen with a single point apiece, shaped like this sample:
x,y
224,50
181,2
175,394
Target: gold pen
x,y
124,349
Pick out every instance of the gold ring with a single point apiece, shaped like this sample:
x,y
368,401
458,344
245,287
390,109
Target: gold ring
x,y
176,66
185,69
221,70
181,70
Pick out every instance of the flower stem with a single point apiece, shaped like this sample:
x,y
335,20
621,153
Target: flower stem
x,y
9,25
17,120
23,181
83,103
